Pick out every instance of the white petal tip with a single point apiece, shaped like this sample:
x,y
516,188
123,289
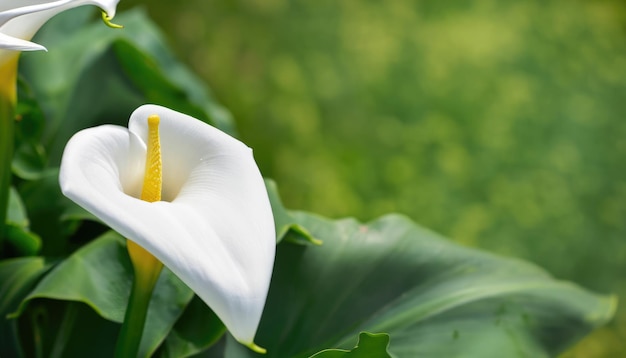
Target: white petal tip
x,y
15,44
32,48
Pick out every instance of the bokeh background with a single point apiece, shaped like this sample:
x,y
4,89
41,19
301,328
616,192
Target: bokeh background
x,y
500,124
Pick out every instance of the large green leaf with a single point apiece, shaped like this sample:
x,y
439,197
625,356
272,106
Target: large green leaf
x,y
95,74
50,212
100,276
434,298
369,346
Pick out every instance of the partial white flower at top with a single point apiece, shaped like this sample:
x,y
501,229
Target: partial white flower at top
x,y
214,226
20,20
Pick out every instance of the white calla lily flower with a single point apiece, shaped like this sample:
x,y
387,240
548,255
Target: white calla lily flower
x,y
20,20
214,226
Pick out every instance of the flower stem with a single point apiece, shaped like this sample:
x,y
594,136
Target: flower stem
x,y
147,267
8,78
6,155
146,275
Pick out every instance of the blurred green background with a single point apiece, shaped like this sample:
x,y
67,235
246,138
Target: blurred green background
x,y
497,123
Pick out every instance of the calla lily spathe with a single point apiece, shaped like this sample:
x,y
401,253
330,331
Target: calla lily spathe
x,y
214,226
20,20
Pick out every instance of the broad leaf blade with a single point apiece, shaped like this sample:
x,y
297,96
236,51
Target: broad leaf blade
x,y
433,298
100,275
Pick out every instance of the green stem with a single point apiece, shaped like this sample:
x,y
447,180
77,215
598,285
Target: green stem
x,y
7,129
8,93
136,312
65,330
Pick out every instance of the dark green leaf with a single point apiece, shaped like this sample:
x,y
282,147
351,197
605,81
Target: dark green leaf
x,y
54,216
100,275
82,333
434,298
29,159
196,330
369,346
46,207
21,241
56,329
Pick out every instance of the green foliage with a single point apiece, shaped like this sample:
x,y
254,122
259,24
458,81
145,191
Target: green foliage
x,y
368,346
122,70
497,123
17,278
197,330
100,275
19,238
29,160
433,298
430,296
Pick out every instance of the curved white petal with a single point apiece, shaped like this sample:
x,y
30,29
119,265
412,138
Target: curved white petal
x,y
215,228
20,20
11,9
